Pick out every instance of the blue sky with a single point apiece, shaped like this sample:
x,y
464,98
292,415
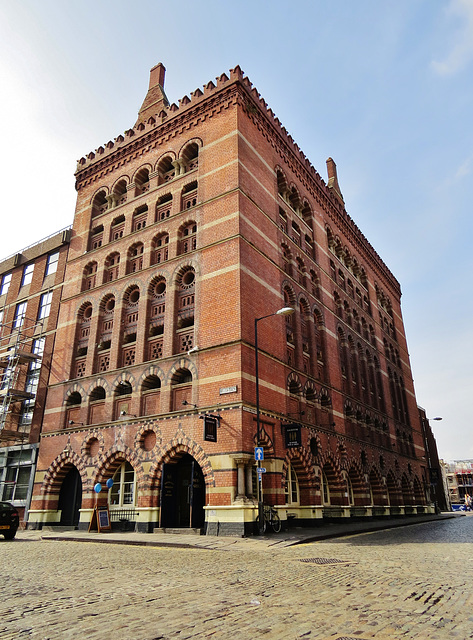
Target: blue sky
x,y
385,88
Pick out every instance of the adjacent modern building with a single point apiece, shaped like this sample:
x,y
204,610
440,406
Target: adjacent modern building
x,y
30,291
192,230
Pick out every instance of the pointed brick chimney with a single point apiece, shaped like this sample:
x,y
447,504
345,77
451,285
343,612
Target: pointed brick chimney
x,y
333,179
156,99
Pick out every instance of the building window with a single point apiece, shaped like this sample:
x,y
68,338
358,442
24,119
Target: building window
x,y
20,313
187,238
51,266
27,274
291,489
325,490
45,305
123,491
31,384
5,284
16,476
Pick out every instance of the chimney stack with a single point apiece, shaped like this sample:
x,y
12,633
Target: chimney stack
x,y
156,99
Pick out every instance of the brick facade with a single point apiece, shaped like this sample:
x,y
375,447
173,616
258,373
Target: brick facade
x,y
201,218
30,293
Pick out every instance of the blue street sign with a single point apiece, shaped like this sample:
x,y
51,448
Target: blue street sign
x,y
259,455
261,469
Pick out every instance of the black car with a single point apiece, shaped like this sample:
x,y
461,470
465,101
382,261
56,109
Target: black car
x,y
9,520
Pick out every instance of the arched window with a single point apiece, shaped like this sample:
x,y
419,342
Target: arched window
x,y
314,279
185,309
107,311
325,490
119,193
97,405
189,196
96,237
112,265
287,259
166,170
85,315
291,488
190,157
160,248
122,399
73,407
294,199
282,184
90,276
300,271
117,228
181,384
123,491
140,218
163,207
157,297
187,237
150,395
142,181
349,489
296,233
130,310
135,257
99,204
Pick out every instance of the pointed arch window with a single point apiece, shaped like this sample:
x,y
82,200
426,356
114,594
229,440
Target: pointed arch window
x,y
325,490
291,488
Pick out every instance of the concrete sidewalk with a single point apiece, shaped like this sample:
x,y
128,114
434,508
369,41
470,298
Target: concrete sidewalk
x,y
184,540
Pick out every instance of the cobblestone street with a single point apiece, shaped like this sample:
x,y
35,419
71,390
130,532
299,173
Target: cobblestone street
x,y
414,582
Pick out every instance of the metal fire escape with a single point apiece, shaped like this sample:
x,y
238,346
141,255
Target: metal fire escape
x,y
16,354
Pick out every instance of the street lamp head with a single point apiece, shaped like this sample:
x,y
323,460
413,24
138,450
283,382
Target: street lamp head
x,y
285,311
438,418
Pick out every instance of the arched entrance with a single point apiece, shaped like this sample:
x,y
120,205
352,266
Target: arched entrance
x,y
70,498
182,494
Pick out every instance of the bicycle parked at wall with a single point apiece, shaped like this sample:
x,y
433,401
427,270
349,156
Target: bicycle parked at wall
x,y
271,519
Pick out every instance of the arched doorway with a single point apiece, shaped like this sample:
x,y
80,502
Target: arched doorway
x,y
182,494
70,498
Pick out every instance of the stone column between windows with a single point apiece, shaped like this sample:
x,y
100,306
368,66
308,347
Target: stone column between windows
x,y
179,167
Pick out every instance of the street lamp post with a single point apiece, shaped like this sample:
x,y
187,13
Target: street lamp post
x,y
285,311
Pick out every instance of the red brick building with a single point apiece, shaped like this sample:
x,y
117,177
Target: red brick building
x,y
200,219
30,291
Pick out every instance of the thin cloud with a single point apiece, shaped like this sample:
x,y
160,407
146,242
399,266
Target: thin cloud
x,y
462,51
